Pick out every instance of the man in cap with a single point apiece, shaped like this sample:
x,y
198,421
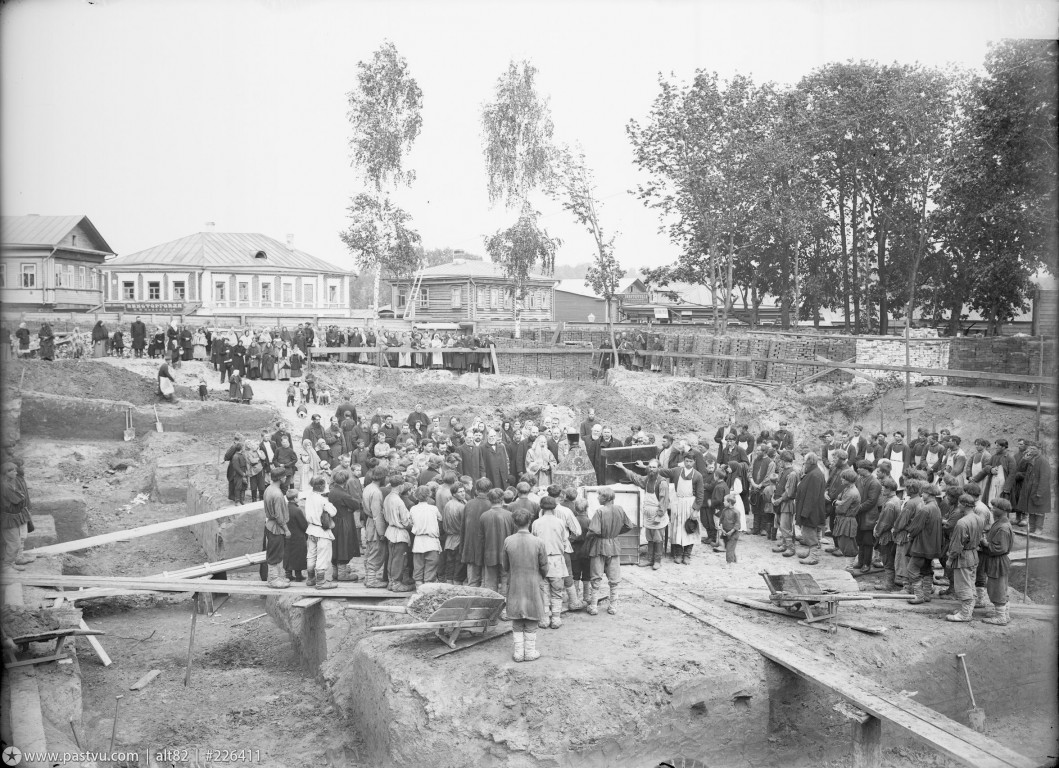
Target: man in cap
x,y
925,543
997,541
784,437
1036,495
962,557
783,502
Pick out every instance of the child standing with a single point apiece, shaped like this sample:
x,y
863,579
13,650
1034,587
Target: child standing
x,y
291,392
204,392
319,537
997,565
729,526
525,562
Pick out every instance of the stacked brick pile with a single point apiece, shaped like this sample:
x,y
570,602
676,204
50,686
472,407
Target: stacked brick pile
x,y
892,352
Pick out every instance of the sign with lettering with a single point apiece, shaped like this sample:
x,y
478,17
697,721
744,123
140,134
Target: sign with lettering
x,y
155,307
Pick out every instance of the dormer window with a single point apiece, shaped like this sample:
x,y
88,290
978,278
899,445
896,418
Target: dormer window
x,y
260,255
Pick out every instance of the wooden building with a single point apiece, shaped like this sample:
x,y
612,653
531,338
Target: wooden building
x,y
220,273
51,263
468,291
575,301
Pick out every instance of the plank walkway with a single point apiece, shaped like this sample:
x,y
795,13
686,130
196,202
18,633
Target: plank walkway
x,y
924,724
228,587
1000,399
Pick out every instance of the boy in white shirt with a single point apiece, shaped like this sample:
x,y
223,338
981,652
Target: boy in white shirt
x,y
426,544
318,556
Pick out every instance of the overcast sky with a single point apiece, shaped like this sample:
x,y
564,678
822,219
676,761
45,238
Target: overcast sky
x,y
154,117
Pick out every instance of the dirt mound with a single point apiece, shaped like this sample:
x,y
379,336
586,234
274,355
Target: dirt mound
x,y
430,597
82,378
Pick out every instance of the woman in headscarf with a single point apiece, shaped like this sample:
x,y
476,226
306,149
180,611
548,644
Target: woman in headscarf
x,y
187,343
268,362
199,345
239,358
284,364
296,361
404,358
47,342
235,387
539,461
347,544
165,381
295,545
99,340
253,354
739,485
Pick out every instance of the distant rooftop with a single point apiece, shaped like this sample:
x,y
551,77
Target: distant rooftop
x,y
227,250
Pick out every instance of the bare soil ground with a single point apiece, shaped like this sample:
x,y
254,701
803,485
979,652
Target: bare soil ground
x,y
248,688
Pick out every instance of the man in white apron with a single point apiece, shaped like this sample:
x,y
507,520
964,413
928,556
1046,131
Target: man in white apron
x,y
690,492
898,453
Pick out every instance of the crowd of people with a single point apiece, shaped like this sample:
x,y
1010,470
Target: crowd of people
x,y
420,502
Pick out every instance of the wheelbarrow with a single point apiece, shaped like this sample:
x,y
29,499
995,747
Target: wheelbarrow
x,y
452,617
799,594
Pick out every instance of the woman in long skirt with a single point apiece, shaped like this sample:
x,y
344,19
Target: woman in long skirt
x,y
268,364
404,358
199,345
436,356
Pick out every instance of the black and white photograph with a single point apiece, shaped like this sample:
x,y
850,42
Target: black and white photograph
x,y
632,384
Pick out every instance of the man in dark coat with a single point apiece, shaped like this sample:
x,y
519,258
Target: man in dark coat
x,y
867,514
811,507
471,460
138,331
494,462
346,545
471,555
925,543
496,524
1036,495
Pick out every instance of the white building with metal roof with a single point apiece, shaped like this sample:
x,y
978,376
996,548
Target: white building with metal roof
x,y
223,273
51,263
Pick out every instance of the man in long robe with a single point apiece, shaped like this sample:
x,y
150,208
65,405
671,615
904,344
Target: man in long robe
x,y
811,507
471,553
494,462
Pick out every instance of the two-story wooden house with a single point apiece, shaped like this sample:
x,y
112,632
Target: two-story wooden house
x,y
51,263
468,291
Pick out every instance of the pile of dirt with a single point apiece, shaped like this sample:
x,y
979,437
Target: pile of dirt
x,y
429,597
83,379
19,621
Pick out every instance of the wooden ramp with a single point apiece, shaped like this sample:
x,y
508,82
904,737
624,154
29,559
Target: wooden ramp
x,y
924,724
1000,398
226,587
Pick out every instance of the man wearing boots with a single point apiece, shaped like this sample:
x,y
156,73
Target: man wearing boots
x,y
811,509
398,537
867,514
581,571
656,504
572,596
1036,495
925,543
962,557
375,549
689,496
276,530
320,537
762,474
997,541
902,578
783,503
552,531
883,532
605,551
985,519
524,562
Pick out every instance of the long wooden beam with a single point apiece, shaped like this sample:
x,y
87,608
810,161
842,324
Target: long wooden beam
x,y
147,530
343,589
919,721
749,359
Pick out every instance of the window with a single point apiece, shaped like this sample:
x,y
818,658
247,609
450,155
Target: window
x,y
546,298
494,298
3,275
128,291
505,299
58,276
244,292
154,291
82,278
307,294
402,298
179,290
218,291
266,293
332,294
29,275
424,298
457,298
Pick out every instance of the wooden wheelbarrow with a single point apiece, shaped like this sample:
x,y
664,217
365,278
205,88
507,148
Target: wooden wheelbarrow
x,y
799,594
455,615
22,642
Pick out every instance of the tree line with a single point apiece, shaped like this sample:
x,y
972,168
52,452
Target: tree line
x,y
869,189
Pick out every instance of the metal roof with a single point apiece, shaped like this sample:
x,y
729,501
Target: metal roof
x,y
577,287
472,268
46,231
226,250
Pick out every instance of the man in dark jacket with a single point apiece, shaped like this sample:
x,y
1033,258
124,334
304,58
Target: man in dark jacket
x,y
472,552
138,331
867,515
925,543
811,507
493,461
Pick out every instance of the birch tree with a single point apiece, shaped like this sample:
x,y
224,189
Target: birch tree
x,y
385,114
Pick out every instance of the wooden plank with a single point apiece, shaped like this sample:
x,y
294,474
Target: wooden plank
x,y
306,602
429,625
496,363
208,569
867,743
555,336
147,530
54,634
344,590
144,681
35,660
937,731
768,608
822,373
252,618
96,646
916,404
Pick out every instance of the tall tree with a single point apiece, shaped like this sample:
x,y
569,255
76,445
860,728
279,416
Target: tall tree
x,y
577,191
385,114
519,159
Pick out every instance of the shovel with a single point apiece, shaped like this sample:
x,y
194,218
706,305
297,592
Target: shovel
x,y
157,421
130,431
975,715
